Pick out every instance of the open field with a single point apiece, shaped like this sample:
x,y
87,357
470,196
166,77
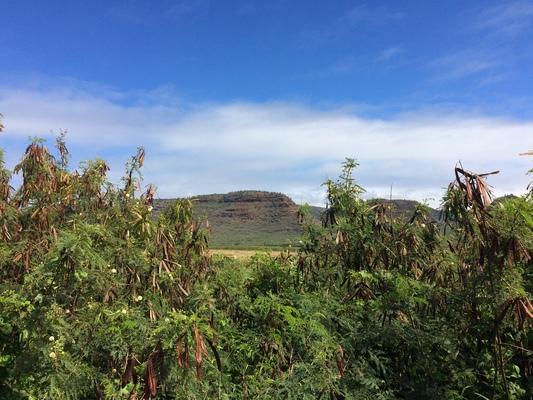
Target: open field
x,y
240,254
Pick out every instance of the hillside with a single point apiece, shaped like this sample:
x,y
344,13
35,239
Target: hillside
x,y
405,208
248,219
252,219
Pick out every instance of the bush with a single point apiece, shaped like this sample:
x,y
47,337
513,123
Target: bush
x,y
100,298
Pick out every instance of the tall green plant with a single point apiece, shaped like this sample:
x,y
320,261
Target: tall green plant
x,y
94,288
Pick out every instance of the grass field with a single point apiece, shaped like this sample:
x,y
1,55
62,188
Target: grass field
x,y
241,254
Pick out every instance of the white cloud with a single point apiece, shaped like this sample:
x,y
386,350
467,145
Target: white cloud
x,y
278,146
487,50
509,18
389,53
349,22
146,12
374,15
466,63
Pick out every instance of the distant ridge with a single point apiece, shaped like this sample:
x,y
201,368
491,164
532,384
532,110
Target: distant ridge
x,y
255,219
247,219
405,208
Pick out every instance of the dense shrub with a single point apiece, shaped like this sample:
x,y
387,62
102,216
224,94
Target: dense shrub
x,y
99,298
428,309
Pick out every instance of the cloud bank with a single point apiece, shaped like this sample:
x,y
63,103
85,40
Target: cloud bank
x,y
281,146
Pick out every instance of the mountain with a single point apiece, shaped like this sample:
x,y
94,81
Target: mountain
x,y
252,219
247,219
404,208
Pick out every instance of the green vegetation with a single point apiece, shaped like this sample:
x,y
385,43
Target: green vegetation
x,y
246,219
100,300
257,220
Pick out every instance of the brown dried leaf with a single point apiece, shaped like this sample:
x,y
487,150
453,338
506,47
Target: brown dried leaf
x,y
201,350
129,374
140,157
340,361
150,388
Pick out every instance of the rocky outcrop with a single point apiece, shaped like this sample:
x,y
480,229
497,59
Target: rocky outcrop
x,y
254,218
247,218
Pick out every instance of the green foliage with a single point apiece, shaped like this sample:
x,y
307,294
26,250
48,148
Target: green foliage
x,y
100,299
427,313
87,279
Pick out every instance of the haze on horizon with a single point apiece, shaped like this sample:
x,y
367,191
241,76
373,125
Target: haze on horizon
x,y
273,96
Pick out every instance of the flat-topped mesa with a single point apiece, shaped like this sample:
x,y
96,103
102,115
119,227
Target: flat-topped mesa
x,y
255,218
247,218
248,196
258,205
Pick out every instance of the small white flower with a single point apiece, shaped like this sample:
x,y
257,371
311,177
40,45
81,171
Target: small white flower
x,y
67,311
113,271
127,195
51,338
124,311
139,298
52,355
114,370
150,208
423,225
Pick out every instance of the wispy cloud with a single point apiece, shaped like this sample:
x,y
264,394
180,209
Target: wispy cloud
x,y
508,18
370,15
389,53
146,12
345,65
487,50
185,7
250,8
465,63
280,146
351,21
339,67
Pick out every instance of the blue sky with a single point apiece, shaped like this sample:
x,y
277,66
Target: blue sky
x,y
272,95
